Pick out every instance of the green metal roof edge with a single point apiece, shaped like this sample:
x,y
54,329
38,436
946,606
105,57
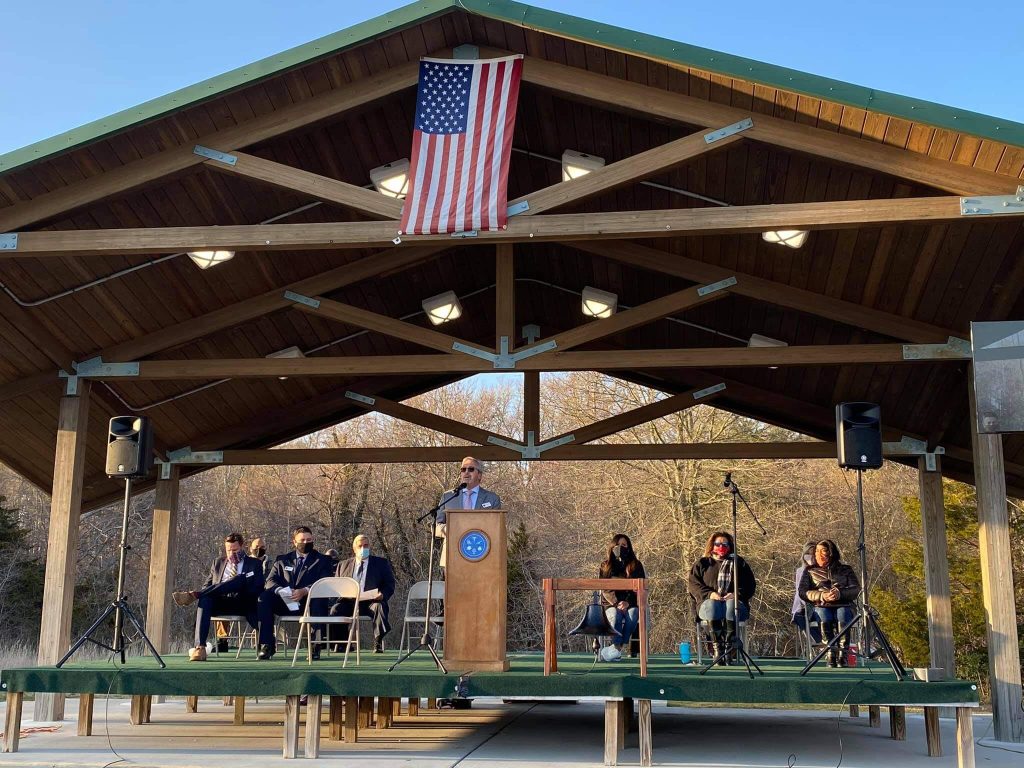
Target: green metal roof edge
x,y
328,45
553,22
670,51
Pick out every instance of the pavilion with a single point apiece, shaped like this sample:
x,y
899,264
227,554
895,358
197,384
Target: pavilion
x,y
727,205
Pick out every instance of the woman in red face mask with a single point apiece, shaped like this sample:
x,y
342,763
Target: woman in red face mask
x,y
712,583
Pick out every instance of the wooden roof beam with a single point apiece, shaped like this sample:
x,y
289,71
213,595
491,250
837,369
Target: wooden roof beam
x,y
622,95
675,222
148,169
323,188
387,365
780,294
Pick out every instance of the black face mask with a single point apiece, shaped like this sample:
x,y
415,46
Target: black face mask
x,y
259,552
621,552
304,548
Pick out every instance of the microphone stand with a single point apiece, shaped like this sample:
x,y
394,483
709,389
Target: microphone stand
x,y
427,640
736,642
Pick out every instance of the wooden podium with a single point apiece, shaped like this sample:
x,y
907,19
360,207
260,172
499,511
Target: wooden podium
x,y
476,592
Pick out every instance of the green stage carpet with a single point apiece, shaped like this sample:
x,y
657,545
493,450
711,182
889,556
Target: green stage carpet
x,y
577,676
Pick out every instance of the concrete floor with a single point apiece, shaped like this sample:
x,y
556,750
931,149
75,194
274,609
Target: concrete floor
x,y
493,734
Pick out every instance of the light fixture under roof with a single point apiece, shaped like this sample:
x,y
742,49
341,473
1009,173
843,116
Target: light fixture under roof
x,y
207,259
576,164
287,353
757,340
598,303
793,238
392,179
443,307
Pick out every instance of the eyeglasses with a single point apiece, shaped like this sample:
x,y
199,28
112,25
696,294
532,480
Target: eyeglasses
x,y
469,469
721,544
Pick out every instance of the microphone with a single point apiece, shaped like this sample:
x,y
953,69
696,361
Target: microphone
x,y
462,487
728,479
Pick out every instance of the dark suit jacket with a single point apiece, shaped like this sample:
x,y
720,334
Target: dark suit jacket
x,y
283,574
250,567
379,575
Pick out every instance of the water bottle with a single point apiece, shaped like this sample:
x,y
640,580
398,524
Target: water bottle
x,y
684,652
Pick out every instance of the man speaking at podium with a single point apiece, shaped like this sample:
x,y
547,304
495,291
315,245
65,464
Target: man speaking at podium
x,y
472,496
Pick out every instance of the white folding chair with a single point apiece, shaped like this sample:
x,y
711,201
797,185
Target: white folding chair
x,y
236,632
330,587
418,591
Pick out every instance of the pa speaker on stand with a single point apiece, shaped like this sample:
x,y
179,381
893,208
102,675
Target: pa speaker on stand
x,y
129,456
859,435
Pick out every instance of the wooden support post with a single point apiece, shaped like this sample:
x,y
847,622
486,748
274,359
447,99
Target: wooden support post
x,y
351,729
612,738
313,702
936,572
646,746
623,711
996,584
239,710
414,706
964,738
334,719
550,629
12,723
931,731
62,544
147,708
365,711
854,710
898,723
874,716
396,708
191,703
431,703
383,712
86,702
162,557
505,296
531,405
290,746
136,716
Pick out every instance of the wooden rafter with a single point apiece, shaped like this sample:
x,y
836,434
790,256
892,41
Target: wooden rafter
x,y
432,421
386,365
759,288
626,171
636,416
149,169
619,94
738,219
399,329
313,184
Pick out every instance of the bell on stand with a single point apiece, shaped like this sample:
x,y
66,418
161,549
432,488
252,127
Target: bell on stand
x,y
595,623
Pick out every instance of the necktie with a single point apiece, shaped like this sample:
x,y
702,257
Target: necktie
x,y
298,564
359,571
232,570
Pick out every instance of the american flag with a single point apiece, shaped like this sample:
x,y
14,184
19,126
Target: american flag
x,y
462,139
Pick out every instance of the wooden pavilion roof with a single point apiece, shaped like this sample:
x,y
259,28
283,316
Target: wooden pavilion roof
x,y
878,273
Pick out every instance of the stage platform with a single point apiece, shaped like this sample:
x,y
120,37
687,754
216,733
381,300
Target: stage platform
x,y
417,678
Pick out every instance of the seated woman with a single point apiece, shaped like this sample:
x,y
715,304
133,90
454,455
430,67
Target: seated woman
x,y
712,583
831,586
799,616
621,605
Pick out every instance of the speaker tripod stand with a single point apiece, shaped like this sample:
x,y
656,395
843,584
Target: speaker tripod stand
x,y
119,607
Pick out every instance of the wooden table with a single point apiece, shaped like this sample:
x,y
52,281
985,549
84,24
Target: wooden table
x,y
552,586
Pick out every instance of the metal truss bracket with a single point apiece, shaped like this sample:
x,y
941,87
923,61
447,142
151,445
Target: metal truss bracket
x,y
95,367
530,450
9,241
953,349
721,285
713,389
468,233
186,456
911,446
988,205
360,398
213,154
518,208
164,469
729,130
71,385
504,360
466,52
298,298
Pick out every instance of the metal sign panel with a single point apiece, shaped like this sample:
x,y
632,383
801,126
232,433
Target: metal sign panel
x,y
999,376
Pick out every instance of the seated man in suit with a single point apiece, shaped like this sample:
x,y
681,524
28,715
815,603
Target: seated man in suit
x,y
287,585
232,588
472,496
373,574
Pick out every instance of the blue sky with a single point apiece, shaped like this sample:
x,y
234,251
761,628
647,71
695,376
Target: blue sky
x,y
66,63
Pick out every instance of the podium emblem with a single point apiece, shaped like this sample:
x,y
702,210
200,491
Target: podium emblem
x,y
474,545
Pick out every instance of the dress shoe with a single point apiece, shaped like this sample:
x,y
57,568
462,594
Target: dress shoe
x,y
184,598
266,653
315,654
378,646
197,654
222,645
